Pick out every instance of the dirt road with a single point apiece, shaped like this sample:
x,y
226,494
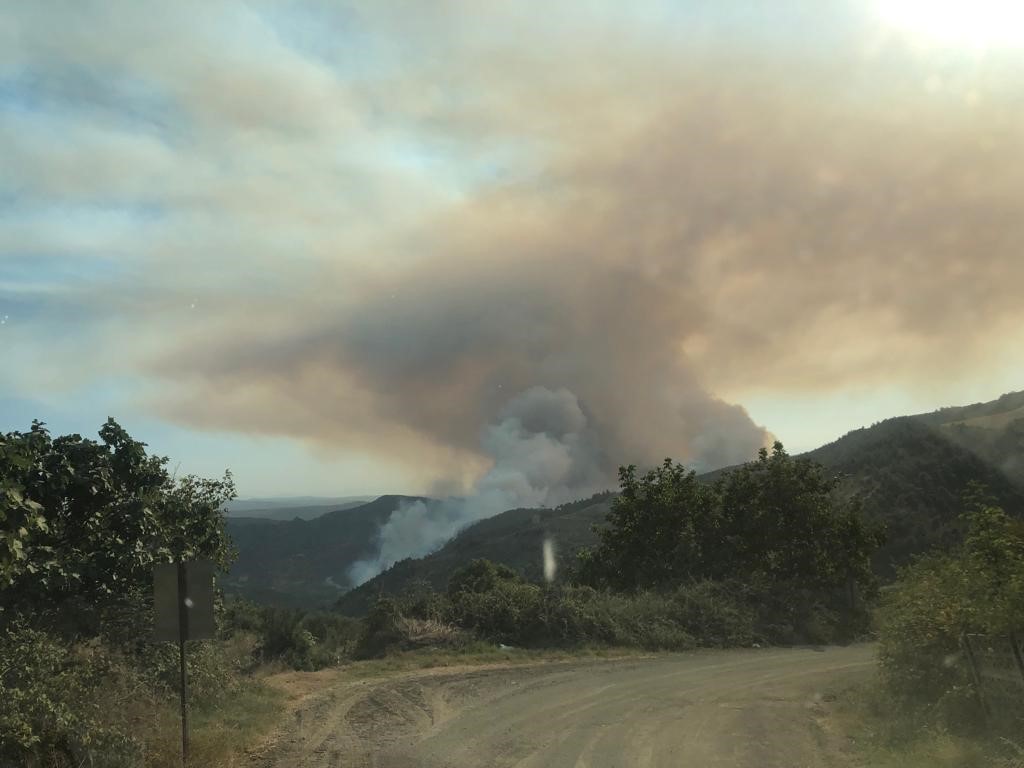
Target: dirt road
x,y
715,709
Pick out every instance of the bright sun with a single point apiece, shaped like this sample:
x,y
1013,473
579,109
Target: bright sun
x,y
967,23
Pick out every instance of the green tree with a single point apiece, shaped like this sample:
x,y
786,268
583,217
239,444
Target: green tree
x,y
782,521
82,522
663,528
22,521
773,520
480,576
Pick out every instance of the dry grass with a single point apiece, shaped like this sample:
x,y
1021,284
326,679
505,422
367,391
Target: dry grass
x,y
477,654
880,738
422,633
221,734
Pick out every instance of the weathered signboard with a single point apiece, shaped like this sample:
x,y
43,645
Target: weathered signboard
x,y
183,601
183,610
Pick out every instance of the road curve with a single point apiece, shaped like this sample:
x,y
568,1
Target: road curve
x,y
710,709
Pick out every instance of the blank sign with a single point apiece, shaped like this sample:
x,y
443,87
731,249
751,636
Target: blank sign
x,y
197,600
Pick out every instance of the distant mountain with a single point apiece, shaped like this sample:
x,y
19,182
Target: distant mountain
x,y
273,514
305,562
290,507
909,471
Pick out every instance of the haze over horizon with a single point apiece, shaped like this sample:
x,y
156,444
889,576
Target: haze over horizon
x,y
363,248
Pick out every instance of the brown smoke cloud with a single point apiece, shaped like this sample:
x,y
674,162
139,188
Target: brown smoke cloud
x,y
686,224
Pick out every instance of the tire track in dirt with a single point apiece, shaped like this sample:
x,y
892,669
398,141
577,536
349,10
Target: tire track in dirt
x,y
734,709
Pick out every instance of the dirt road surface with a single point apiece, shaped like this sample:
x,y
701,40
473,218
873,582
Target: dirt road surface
x,y
714,709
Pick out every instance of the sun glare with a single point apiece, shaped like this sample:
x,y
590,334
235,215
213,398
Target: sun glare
x,y
967,23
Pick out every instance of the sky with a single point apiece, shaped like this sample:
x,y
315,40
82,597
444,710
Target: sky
x,y
367,247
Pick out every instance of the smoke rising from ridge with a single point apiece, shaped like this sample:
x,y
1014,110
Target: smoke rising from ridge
x,y
544,452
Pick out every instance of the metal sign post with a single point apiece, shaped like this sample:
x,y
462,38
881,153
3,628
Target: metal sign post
x,y
183,610
182,637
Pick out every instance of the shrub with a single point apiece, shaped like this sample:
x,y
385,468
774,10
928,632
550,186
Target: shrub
x,y
420,600
306,641
505,613
381,630
430,633
50,710
715,614
480,576
919,654
498,606
977,588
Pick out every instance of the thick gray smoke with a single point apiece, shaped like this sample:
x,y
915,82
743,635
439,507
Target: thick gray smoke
x,y
545,452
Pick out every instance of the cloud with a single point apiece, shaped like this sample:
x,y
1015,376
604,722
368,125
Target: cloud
x,y
393,222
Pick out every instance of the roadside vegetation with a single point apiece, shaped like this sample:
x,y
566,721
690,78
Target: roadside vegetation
x,y
768,553
82,522
925,709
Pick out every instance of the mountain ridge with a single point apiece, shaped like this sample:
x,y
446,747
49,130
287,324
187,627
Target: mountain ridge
x,y
909,474
910,471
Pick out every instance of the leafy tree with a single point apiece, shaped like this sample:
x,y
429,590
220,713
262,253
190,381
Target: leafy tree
x,y
480,576
662,529
773,520
781,520
22,521
82,522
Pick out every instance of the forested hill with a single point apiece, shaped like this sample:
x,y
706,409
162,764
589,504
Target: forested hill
x,y
1006,408
910,475
305,562
993,431
514,538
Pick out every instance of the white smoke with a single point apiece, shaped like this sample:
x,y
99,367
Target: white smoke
x,y
544,453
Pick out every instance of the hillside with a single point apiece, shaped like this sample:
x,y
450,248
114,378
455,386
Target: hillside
x,y
304,562
514,538
277,514
994,431
305,508
911,477
909,473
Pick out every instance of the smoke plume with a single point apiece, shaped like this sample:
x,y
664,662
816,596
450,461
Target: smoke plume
x,y
650,229
544,452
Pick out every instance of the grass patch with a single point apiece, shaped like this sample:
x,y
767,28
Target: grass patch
x,y
477,653
881,738
221,732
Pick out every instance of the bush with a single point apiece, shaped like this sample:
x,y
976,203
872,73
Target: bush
x,y
305,641
421,601
502,614
714,613
647,620
919,654
977,588
498,606
51,712
480,576
788,613
381,630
